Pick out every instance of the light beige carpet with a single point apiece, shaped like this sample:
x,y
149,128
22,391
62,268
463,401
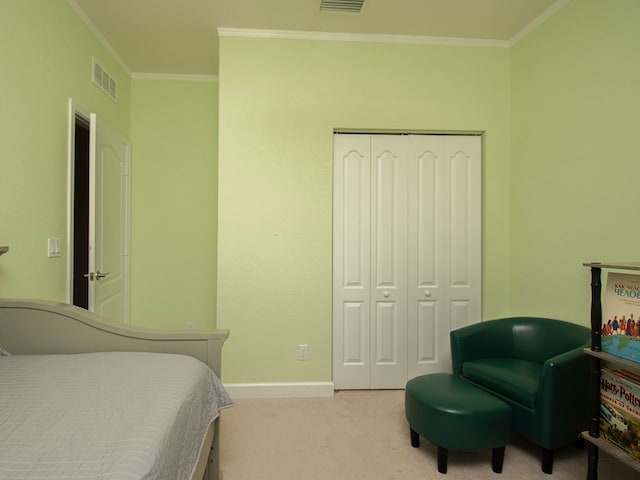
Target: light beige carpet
x,y
363,435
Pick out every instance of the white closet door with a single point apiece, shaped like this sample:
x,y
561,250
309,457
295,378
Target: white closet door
x,y
388,261
407,254
464,158
352,261
444,271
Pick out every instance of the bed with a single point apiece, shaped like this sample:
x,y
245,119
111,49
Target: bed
x,y
85,398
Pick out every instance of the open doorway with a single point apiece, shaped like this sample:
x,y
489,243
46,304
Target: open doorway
x,y
98,216
80,224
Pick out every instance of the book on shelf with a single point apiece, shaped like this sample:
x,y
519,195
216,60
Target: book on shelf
x,y
620,411
620,333
633,376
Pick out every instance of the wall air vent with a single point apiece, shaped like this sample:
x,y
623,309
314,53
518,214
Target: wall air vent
x,y
105,81
341,5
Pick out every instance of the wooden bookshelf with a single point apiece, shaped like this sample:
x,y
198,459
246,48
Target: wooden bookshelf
x,y
612,450
597,356
614,359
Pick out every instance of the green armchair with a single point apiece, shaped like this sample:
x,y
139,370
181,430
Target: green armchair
x,y
538,367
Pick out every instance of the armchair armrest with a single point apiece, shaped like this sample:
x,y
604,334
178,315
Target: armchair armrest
x,y
563,391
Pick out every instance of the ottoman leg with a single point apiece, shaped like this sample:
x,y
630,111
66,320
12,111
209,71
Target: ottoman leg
x,y
497,459
443,455
415,438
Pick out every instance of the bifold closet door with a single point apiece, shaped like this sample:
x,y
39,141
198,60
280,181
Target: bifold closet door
x,y
351,261
444,238
406,254
388,281
370,256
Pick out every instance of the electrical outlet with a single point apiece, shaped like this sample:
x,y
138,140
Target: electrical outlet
x,y
191,325
303,352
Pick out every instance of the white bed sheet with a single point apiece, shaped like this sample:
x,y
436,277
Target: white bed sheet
x,y
116,415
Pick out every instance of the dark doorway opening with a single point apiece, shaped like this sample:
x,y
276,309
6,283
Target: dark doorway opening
x,y
81,213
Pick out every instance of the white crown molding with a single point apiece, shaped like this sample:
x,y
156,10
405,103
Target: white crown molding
x,y
360,37
174,76
549,12
280,390
306,35
92,26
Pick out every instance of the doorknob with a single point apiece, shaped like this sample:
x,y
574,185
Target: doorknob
x,y
386,294
95,275
427,293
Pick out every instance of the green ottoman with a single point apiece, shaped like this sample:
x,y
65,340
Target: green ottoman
x,y
454,415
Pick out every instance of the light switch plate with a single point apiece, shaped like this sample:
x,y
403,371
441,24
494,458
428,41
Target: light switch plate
x,y
54,247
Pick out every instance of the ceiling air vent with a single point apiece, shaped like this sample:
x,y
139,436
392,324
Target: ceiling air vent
x,y
341,5
105,81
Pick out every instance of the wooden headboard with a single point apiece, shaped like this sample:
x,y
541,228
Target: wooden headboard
x,y
41,327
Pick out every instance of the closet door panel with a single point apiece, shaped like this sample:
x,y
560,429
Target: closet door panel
x,y
461,314
386,351
460,228
354,341
426,238
424,202
464,157
427,327
352,261
389,261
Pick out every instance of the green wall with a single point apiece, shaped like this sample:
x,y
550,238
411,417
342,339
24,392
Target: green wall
x,y
174,133
575,165
280,101
558,111
46,56
45,59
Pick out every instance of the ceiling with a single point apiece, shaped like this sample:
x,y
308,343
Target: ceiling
x,y
181,36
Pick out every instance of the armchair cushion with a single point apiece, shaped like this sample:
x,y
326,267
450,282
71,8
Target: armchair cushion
x,y
513,378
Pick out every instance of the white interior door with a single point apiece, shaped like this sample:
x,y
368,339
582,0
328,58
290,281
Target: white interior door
x,y
407,256
108,222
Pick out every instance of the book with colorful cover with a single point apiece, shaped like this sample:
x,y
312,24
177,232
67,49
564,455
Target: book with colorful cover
x,y
620,390
621,316
620,411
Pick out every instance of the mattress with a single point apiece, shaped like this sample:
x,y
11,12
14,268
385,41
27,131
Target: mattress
x,y
114,415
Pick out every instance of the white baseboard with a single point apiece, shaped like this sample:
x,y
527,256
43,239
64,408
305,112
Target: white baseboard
x,y
280,390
